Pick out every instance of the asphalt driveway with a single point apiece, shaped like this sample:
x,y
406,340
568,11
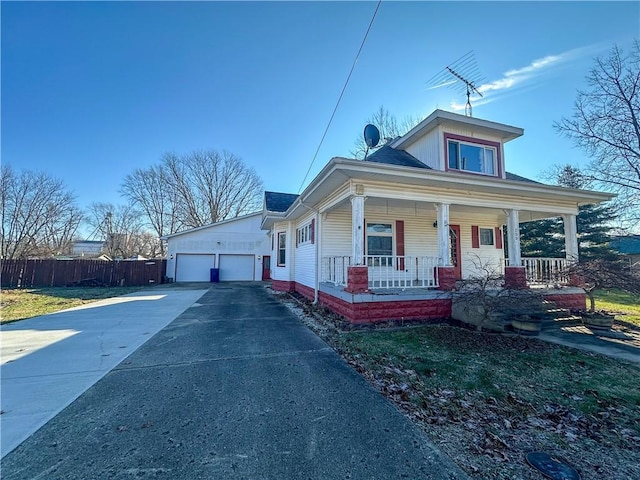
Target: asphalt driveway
x,y
234,388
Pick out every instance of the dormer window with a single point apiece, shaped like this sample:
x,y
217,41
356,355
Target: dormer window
x,y
471,157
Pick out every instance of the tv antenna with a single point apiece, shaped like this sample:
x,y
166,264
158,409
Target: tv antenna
x,y
466,71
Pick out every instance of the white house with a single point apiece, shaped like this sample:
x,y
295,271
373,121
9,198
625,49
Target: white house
x,y
386,237
237,248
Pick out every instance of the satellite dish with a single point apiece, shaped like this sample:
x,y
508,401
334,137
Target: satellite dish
x,y
371,135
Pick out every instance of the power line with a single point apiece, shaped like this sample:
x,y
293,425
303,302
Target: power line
x,y
341,94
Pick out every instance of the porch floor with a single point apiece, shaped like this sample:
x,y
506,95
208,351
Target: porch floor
x,y
412,294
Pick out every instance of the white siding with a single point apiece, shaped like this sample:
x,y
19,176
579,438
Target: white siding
x,y
282,272
419,234
305,257
472,258
428,149
336,232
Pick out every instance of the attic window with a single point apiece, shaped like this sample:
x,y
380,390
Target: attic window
x,y
470,157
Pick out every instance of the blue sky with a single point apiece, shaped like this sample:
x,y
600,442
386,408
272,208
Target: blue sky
x,y
93,90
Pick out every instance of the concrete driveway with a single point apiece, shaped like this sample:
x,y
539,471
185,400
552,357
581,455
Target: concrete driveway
x,y
234,388
48,361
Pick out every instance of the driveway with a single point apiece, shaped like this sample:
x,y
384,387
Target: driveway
x,y
48,361
234,388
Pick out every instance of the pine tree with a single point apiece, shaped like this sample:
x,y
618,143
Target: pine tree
x,y
542,238
545,238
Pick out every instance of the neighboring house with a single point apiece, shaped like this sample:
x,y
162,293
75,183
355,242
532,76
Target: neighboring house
x,y
238,248
87,248
629,247
387,237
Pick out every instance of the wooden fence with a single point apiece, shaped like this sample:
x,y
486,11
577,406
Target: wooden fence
x,y
61,273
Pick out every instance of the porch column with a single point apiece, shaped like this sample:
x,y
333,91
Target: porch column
x,y
513,237
357,232
515,275
570,237
446,272
444,256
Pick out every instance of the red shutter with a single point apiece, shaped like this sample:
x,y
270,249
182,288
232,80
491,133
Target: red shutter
x,y
498,235
400,243
313,230
475,237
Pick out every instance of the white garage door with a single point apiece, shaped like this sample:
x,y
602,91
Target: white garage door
x,y
236,267
194,267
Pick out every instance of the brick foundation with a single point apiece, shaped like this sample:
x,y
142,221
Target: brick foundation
x,y
283,286
515,277
357,279
374,312
573,301
447,278
307,292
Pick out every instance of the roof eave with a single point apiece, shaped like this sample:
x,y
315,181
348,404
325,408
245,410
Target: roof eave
x,y
442,117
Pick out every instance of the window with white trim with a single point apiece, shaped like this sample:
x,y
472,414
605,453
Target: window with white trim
x,y
486,236
303,235
470,157
282,249
380,243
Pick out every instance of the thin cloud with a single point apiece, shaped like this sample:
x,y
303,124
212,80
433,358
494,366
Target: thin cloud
x,y
519,77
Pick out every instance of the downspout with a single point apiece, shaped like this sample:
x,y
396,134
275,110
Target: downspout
x,y
316,282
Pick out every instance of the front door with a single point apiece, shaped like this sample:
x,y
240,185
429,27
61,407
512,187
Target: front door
x,y
454,249
266,267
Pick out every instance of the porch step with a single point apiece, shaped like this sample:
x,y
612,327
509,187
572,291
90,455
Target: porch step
x,y
550,316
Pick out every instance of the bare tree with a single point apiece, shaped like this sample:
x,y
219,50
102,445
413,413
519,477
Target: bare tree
x,y
601,274
389,128
39,214
484,300
606,125
150,191
119,226
187,191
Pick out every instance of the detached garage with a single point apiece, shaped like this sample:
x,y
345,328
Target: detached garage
x,y
236,247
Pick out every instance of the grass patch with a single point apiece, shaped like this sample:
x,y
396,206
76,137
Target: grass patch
x,y
484,366
625,305
18,304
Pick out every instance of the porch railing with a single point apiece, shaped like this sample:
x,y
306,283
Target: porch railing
x,y
402,272
334,270
385,271
546,271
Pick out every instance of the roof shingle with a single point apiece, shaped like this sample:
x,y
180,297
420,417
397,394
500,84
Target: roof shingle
x,y
279,202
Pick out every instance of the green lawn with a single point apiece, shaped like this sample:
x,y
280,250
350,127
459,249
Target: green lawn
x,y
625,305
18,303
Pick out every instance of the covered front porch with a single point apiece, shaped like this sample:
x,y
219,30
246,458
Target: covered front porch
x,y
378,242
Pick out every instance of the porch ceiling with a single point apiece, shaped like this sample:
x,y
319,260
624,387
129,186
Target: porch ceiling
x,y
393,204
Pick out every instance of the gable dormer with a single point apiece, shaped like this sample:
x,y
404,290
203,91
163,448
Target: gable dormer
x,y
452,142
